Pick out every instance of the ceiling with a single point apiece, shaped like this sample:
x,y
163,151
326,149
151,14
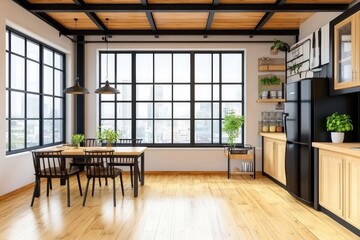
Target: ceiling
x,y
179,17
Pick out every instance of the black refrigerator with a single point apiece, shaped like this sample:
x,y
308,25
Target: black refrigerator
x,y
307,105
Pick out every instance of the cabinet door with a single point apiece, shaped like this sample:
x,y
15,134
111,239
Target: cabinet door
x,y
269,156
345,53
331,173
352,199
280,161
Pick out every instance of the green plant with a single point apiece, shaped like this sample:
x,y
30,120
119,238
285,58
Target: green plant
x,y
295,68
339,123
231,125
280,45
77,139
270,80
107,134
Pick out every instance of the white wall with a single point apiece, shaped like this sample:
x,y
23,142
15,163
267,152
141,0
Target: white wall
x,y
17,170
189,159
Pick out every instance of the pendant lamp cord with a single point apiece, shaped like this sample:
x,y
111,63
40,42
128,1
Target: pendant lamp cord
x,y
107,51
77,77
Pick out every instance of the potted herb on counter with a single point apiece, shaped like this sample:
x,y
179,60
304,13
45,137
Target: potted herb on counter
x,y
338,124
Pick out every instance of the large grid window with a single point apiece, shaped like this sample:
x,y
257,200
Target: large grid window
x,y
172,98
34,93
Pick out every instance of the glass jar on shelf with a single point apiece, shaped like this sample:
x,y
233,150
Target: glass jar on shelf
x,y
265,126
279,126
272,126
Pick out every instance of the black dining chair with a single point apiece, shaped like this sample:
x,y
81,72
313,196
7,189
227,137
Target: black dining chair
x,y
100,164
128,161
49,165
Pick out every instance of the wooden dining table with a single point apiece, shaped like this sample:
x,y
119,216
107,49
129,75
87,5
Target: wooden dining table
x,y
126,152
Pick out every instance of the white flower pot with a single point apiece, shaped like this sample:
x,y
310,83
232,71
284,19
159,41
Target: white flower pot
x,y
337,137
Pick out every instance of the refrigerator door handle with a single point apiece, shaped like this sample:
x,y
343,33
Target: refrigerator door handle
x,y
285,115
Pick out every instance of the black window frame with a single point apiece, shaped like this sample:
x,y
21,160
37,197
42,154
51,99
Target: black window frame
x,y
40,93
192,95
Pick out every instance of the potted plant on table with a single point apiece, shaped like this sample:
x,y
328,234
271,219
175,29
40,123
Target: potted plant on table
x,y
338,124
231,126
107,135
76,139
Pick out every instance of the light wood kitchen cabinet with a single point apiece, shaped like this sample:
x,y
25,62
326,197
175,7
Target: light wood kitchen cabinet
x,y
274,159
339,180
347,53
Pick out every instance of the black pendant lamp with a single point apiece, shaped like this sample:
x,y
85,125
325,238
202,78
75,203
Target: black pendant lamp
x,y
76,89
107,89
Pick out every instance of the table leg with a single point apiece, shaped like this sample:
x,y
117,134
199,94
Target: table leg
x,y
136,176
63,166
228,165
142,169
37,187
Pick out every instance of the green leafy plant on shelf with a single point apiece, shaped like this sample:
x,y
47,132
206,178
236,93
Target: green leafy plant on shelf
x,y
295,68
107,135
339,123
279,46
270,80
76,139
231,126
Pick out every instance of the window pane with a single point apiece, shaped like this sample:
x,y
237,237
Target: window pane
x,y
202,68
231,68
216,110
17,134
7,41
17,44
216,133
202,110
163,68
125,92
231,92
236,107
181,131
216,67
33,50
144,92
108,67
181,110
33,76
162,110
17,72
182,68
17,105
48,57
48,131
124,127
7,104
124,110
216,92
202,92
163,92
48,80
162,131
33,106
144,110
48,107
33,133
181,92
108,110
108,124
108,97
58,108
123,68
7,135
58,129
58,61
144,130
203,131
7,70
144,68
58,84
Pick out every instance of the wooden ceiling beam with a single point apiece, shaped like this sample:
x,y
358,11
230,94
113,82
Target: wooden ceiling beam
x,y
92,16
186,8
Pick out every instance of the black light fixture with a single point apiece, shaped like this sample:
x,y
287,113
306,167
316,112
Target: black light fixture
x,y
107,89
76,89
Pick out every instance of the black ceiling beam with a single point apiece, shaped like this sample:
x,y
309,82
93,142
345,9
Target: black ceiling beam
x,y
187,8
92,16
211,16
290,32
149,16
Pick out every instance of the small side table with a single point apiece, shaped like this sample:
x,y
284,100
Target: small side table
x,y
246,154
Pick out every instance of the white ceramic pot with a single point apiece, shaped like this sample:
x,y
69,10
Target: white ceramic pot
x,y
337,137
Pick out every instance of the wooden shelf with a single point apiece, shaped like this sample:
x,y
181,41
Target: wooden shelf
x,y
272,100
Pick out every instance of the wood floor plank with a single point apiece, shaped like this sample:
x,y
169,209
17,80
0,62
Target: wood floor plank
x,y
170,206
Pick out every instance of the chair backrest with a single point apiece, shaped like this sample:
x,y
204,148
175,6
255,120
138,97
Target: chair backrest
x,y
48,164
99,163
128,142
90,142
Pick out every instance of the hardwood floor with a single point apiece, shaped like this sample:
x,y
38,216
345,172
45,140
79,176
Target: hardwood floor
x,y
170,206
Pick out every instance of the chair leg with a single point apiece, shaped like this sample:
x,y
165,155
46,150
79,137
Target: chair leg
x,y
122,184
93,187
68,190
50,183
35,188
106,182
79,183
47,186
131,177
114,190
100,182
86,190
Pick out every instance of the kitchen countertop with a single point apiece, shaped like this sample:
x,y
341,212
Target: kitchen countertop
x,y
345,148
277,136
